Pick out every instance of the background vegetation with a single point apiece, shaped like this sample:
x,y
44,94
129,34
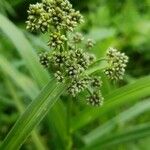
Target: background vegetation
x,y
123,123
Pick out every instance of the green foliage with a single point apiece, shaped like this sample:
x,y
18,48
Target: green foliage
x,y
135,133
28,91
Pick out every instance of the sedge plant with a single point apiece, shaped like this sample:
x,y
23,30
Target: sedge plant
x,y
69,60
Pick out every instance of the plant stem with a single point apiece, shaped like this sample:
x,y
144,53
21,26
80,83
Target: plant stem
x,y
99,60
94,69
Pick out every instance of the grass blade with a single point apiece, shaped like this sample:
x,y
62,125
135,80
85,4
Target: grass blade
x,y
24,82
135,133
122,118
35,136
30,89
33,115
25,49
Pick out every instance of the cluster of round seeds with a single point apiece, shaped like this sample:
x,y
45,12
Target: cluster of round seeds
x,y
78,38
95,99
71,63
78,85
44,60
38,19
90,43
83,83
68,62
58,13
83,59
56,40
72,69
117,63
73,19
58,59
96,82
59,76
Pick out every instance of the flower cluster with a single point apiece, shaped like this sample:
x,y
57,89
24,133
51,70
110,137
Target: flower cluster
x,y
70,63
56,40
38,18
96,82
63,16
57,13
117,63
78,85
95,99
78,38
90,43
67,60
44,60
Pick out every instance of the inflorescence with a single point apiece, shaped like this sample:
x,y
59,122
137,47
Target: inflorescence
x,y
67,59
117,62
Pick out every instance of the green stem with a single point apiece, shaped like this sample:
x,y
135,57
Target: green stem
x,y
99,60
89,91
65,43
94,69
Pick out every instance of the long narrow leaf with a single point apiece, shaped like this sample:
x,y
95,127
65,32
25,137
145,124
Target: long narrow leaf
x,y
26,51
25,83
33,115
19,105
122,118
136,133
30,89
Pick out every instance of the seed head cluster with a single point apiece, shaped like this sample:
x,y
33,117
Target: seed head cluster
x,y
117,63
56,40
89,44
68,59
78,38
38,18
44,60
95,99
55,13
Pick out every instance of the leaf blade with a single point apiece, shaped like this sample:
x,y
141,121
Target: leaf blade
x,y
122,118
33,115
135,133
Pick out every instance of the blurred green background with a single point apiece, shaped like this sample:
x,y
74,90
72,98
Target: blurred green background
x,y
124,24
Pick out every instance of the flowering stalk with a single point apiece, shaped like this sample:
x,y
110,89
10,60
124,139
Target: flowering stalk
x,y
67,60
